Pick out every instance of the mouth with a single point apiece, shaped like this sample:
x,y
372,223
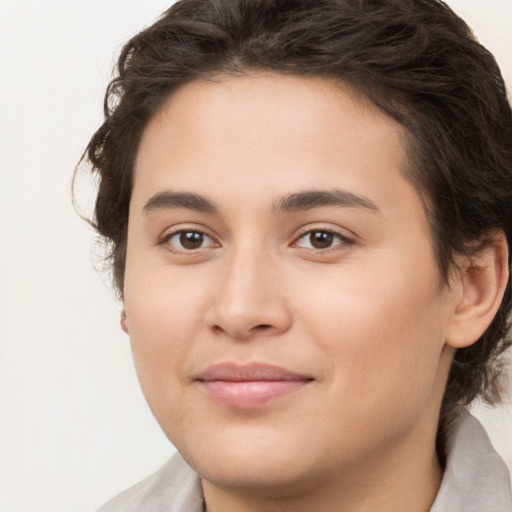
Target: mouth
x,y
249,386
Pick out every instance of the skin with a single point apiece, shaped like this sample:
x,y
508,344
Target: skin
x,y
367,317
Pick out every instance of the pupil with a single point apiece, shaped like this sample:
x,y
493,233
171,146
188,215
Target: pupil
x,y
191,240
321,239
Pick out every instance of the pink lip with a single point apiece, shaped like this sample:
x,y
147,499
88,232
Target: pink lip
x,y
251,385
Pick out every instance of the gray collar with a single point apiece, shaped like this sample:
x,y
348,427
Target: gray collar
x,y
475,479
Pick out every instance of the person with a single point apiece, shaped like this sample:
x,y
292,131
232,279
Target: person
x,y
307,210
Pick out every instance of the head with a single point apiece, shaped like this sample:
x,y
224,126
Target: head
x,y
413,64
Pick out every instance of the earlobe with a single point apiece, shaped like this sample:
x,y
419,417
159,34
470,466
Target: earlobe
x,y
124,322
480,285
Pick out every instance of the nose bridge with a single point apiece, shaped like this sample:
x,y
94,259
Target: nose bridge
x,y
250,295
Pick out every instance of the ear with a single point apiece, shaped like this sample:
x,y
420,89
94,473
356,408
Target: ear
x,y
124,322
478,287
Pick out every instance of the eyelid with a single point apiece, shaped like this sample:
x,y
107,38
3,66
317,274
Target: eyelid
x,y
343,239
164,240
307,230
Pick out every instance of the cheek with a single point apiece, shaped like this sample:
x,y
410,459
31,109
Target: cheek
x,y
162,305
165,315
383,332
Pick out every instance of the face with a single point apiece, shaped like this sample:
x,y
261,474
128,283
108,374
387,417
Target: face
x,y
286,314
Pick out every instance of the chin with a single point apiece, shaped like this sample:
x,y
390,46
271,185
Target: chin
x,y
272,478
249,461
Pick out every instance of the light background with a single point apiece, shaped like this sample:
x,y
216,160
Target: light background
x,y
74,427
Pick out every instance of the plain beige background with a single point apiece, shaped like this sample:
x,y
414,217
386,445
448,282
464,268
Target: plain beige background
x,y
74,427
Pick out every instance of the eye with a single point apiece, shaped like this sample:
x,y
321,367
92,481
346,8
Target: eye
x,y
321,239
189,240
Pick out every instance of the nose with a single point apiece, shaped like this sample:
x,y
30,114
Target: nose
x,y
250,299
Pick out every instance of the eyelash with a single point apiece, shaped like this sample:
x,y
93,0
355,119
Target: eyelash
x,y
180,233
167,240
342,241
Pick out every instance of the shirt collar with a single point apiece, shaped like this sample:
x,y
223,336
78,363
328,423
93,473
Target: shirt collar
x,y
475,478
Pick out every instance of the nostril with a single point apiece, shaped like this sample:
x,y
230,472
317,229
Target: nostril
x,y
262,327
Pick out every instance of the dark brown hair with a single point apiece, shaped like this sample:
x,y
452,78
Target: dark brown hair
x,y
415,59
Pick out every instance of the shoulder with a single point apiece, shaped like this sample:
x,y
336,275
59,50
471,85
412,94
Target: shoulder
x,y
475,478
173,488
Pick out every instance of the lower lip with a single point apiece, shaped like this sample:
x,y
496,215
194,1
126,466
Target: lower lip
x,y
250,394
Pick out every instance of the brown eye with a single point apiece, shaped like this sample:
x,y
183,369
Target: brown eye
x,y
322,239
189,240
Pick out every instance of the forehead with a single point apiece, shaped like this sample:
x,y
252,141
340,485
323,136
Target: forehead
x,y
269,135
292,108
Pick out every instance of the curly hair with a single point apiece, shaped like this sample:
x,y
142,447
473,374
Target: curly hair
x,y
414,59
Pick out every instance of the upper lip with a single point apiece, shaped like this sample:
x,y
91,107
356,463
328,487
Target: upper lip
x,y
249,373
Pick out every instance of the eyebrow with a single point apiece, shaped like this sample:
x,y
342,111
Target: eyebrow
x,y
311,199
167,200
299,201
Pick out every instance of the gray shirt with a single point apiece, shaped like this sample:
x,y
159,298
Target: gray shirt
x,y
475,479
